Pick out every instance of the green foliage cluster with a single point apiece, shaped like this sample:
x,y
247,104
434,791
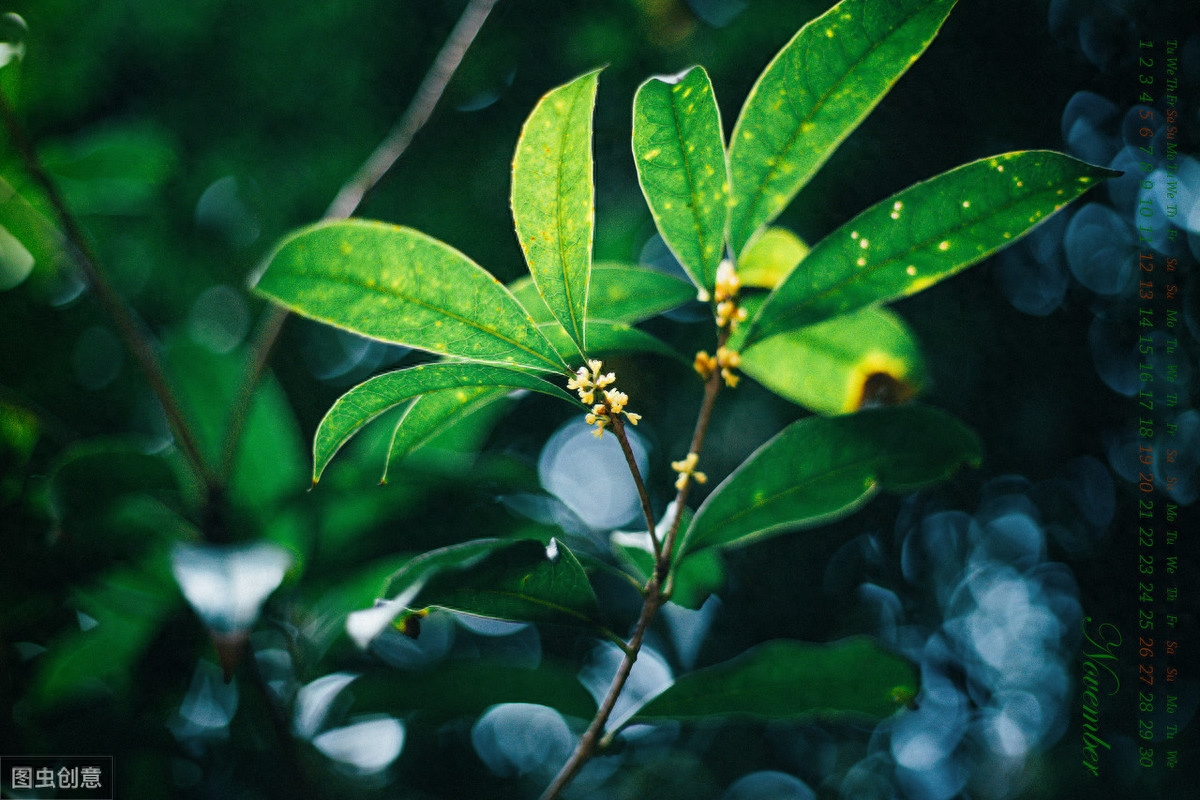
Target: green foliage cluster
x,y
809,324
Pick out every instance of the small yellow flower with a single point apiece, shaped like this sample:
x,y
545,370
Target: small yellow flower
x,y
687,469
704,364
633,418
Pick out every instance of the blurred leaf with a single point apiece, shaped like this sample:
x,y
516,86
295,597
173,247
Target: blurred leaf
x,y
401,286
117,170
128,606
868,357
679,149
790,680
612,337
94,482
813,94
819,469
552,199
618,293
269,465
522,580
770,258
693,577
434,413
368,400
19,433
923,234
469,688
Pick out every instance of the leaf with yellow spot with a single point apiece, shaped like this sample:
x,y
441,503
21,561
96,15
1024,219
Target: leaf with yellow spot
x,y
866,358
553,199
923,234
368,400
679,150
820,469
399,285
813,94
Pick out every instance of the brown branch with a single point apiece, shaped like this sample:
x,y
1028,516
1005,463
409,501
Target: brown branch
x,y
655,596
133,332
351,195
618,429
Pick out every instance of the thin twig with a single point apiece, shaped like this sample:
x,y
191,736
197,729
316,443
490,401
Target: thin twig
x,y
618,429
133,332
655,596
351,195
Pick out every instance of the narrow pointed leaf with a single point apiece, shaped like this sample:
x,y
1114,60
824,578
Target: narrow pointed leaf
x,y
613,337
618,293
368,400
782,679
925,233
399,285
679,150
820,469
813,94
434,413
552,199
522,580
869,357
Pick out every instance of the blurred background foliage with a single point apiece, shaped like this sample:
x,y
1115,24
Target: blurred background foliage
x,y
189,135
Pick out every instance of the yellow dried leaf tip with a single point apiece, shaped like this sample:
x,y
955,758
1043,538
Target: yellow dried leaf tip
x,y
687,470
586,382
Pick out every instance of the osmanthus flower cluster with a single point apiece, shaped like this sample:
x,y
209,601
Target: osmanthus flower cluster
x,y
590,379
817,335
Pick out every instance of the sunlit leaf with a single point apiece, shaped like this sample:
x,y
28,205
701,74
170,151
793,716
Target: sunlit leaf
x,y
770,258
619,293
368,400
851,678
432,414
819,469
606,337
679,150
469,688
552,199
522,581
923,234
399,285
869,357
813,94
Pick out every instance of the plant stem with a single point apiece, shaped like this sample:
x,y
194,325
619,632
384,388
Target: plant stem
x,y
133,332
655,596
351,195
618,429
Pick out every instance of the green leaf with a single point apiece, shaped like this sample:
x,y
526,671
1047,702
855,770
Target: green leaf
x,y
679,149
269,466
432,414
813,94
368,400
923,234
401,286
854,677
128,605
469,688
522,580
552,199
770,258
869,357
819,469
619,293
613,337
